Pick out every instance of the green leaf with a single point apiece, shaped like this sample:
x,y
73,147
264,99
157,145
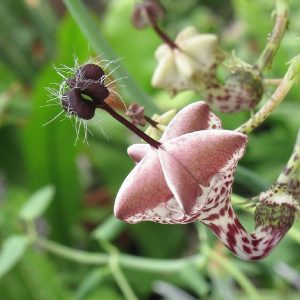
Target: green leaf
x,y
37,203
12,250
91,282
195,280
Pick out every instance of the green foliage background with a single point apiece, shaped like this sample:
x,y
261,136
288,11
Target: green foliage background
x,y
86,177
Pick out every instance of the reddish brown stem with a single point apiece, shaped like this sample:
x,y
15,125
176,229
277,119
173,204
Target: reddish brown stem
x,y
151,122
164,36
129,125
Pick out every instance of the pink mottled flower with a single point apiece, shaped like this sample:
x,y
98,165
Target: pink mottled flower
x,y
189,178
172,184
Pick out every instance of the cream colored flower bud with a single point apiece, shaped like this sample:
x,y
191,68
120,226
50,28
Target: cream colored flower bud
x,y
162,122
197,56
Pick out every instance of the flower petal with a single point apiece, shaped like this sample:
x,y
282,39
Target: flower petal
x,y
272,217
143,189
166,75
204,153
186,33
181,182
138,151
207,43
186,65
194,117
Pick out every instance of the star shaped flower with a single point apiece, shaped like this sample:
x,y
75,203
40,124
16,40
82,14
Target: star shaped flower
x,y
189,178
171,184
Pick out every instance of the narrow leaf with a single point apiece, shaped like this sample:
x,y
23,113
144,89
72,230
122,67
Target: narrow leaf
x,y
37,203
12,251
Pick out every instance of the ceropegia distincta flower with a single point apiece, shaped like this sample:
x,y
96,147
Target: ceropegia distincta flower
x,y
195,58
189,178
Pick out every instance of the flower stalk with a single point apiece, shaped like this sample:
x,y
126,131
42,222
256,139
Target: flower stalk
x,y
274,40
129,125
171,266
291,77
293,164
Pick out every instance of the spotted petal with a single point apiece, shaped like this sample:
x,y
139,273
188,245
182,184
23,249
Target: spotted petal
x,y
273,217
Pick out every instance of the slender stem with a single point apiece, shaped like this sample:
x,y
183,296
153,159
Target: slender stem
x,y
272,81
239,276
100,45
151,122
282,12
127,261
266,110
291,77
164,36
114,264
129,125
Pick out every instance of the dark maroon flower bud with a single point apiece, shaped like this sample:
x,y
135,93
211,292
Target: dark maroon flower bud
x,y
74,103
147,13
88,80
96,90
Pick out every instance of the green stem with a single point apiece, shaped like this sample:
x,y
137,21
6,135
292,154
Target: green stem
x,y
282,13
114,264
239,276
291,77
126,261
94,37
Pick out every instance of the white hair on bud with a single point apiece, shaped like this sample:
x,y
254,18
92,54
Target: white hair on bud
x,y
57,91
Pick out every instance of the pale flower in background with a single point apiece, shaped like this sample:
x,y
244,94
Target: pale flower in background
x,y
195,58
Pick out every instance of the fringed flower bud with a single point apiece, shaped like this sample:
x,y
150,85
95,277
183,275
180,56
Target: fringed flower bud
x,y
86,90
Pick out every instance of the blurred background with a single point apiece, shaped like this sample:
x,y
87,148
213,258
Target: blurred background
x,y
38,35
